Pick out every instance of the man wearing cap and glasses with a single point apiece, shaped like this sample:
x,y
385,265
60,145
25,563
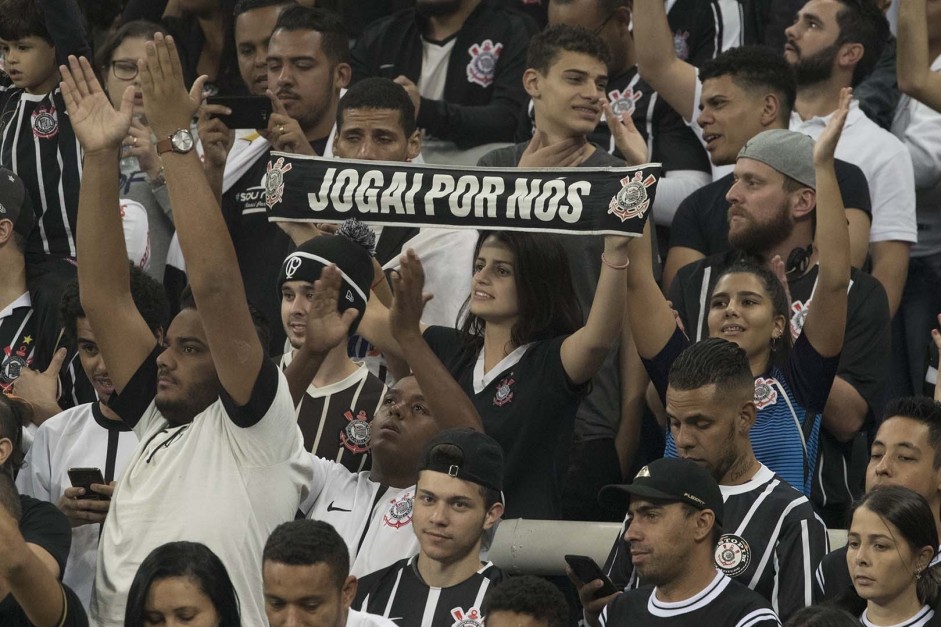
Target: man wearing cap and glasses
x,y
675,519
458,499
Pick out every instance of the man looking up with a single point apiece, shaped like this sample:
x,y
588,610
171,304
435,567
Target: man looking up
x,y
307,580
771,537
906,452
220,459
458,499
833,44
675,519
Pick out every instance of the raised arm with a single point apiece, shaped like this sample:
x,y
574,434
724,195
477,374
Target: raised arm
x,y
826,320
450,405
104,279
584,351
912,62
675,80
211,263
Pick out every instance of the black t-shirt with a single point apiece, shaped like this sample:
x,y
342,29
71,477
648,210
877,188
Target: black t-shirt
x,y
529,408
12,615
723,602
701,220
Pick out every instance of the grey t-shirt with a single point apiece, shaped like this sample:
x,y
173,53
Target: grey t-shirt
x,y
600,412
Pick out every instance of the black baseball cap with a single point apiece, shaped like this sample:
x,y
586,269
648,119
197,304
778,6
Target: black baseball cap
x,y
672,480
15,203
482,457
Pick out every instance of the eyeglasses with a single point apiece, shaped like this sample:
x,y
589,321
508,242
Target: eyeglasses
x,y
604,23
124,69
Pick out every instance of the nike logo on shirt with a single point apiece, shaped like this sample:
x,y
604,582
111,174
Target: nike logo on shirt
x,y
331,508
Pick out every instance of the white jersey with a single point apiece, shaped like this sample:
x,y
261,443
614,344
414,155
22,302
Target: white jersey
x,y
209,481
80,437
362,619
375,520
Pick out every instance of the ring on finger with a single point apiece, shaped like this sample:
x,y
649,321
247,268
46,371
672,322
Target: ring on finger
x,y
280,129
135,142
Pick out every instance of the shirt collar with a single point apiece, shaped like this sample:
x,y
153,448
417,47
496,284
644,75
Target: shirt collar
x,y
22,301
855,115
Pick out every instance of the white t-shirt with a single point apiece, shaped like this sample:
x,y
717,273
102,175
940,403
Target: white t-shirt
x,y
362,619
208,481
80,437
434,68
374,520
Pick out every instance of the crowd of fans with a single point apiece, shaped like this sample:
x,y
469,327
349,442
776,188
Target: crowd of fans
x,y
212,418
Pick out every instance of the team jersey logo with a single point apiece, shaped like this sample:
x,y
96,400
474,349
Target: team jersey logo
x,y
624,102
632,201
798,317
355,435
504,393
14,362
765,392
733,555
292,266
274,182
471,618
681,44
45,122
483,63
400,511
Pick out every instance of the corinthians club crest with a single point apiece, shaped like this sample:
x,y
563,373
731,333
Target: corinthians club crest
x,y
765,392
470,618
632,201
504,392
400,511
355,435
274,181
733,555
483,64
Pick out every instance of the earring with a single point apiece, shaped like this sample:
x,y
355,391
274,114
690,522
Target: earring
x,y
774,342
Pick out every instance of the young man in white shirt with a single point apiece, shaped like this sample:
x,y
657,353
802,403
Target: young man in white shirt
x,y
220,460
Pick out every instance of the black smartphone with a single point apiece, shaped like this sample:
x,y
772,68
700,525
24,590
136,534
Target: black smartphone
x,y
587,571
83,478
247,111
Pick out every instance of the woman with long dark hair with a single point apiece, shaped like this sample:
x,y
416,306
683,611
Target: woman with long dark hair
x,y
184,581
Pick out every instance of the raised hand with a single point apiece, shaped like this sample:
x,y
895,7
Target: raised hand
x,y
627,138
82,511
96,123
327,327
167,104
284,132
825,146
408,301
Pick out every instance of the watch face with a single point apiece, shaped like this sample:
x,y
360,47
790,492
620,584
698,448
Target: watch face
x,y
182,141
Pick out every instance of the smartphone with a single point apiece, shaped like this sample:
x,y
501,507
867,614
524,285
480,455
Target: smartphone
x,y
587,571
83,478
247,111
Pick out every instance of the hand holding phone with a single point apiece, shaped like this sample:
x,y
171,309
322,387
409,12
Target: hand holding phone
x,y
586,570
247,111
84,478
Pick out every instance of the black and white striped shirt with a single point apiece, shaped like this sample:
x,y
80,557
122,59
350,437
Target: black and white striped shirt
x,y
772,542
17,340
399,593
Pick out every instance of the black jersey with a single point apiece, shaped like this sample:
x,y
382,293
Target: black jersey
x,y
398,593
772,542
17,340
334,419
723,602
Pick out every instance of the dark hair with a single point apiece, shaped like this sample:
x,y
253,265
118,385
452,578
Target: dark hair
x,y
689,510
308,542
822,616
910,513
780,304
333,38
188,301
148,295
545,46
531,596
136,29
15,413
548,306
756,68
920,409
379,93
191,560
10,497
712,361
23,18
448,455
861,22
242,6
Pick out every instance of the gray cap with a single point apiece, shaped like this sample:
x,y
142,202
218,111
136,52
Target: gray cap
x,y
788,152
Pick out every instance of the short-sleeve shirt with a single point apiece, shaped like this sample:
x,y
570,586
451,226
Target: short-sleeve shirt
x,y
12,615
701,220
722,602
529,408
375,520
789,398
17,339
210,481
